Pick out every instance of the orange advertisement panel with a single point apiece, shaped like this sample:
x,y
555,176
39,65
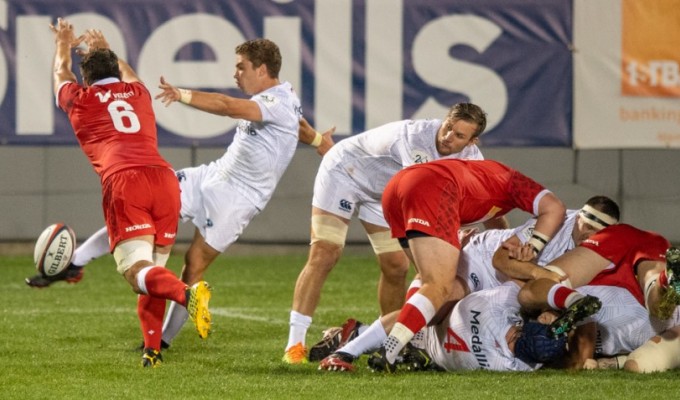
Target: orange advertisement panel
x,y
650,48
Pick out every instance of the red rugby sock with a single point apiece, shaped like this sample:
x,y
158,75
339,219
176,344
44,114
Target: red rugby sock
x,y
161,282
150,311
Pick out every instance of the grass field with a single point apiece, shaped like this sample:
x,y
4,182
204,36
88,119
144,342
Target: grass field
x,y
78,342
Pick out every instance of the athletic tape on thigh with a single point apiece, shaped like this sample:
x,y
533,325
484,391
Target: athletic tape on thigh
x,y
383,242
330,229
130,252
558,271
657,357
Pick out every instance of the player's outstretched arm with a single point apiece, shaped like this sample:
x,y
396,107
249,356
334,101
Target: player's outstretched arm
x,y
213,103
64,39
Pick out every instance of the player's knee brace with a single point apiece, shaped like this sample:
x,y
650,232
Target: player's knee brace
x,y
656,355
383,242
330,229
130,252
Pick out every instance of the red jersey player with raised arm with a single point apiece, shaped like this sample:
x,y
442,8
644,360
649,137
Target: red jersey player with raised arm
x,y
113,119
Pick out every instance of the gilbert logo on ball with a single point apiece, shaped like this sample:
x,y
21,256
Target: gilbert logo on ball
x,y
54,249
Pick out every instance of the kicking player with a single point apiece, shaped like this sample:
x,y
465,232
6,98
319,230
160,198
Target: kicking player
x,y
222,197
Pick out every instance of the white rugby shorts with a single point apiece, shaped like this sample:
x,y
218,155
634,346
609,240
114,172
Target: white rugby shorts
x,y
336,193
215,205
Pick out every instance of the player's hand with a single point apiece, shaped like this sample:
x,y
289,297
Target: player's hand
x,y
524,252
464,235
169,93
327,142
63,33
94,39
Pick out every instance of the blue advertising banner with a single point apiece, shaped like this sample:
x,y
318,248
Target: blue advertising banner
x,y
355,63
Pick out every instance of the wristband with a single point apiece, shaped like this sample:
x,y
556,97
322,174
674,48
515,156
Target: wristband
x,y
184,96
317,140
538,241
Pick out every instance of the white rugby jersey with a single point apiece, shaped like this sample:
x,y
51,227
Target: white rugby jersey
x,y
623,324
261,151
373,157
473,337
475,264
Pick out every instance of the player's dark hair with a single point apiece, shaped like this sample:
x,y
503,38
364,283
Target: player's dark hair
x,y
262,51
606,205
470,113
99,64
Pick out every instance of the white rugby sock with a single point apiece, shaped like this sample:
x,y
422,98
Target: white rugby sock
x,y
298,328
369,340
95,246
174,320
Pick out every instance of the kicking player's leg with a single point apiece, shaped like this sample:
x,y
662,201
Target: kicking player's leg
x,y
196,261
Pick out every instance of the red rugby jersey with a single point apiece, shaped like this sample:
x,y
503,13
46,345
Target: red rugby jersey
x,y
625,246
114,123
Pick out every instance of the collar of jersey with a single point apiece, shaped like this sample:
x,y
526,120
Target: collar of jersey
x,y
106,81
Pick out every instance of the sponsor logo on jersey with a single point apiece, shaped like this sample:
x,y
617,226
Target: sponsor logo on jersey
x,y
125,95
477,346
598,343
345,205
137,227
475,280
103,98
418,221
268,99
247,127
169,235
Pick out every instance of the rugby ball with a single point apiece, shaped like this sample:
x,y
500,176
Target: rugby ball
x,y
54,249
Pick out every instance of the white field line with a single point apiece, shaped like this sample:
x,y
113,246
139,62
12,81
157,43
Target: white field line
x,y
240,314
